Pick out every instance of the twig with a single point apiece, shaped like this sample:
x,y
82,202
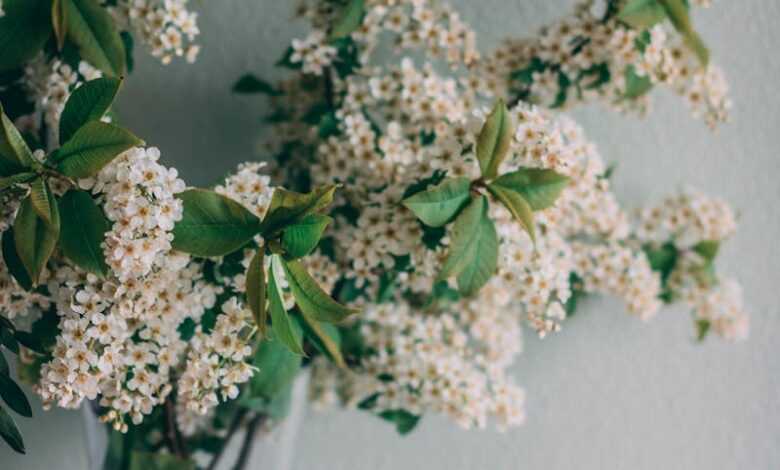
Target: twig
x,y
171,432
246,446
234,426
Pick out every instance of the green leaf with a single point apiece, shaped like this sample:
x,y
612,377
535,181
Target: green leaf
x,y
288,207
540,188
91,28
678,15
310,297
301,238
404,421
251,84
277,367
10,433
349,21
58,22
89,102
19,178
702,329
281,322
642,14
438,205
212,224
34,238
494,140
473,251
256,290
159,461
83,230
12,261
127,41
14,397
636,86
15,155
4,369
23,31
41,198
517,206
707,249
93,147
326,339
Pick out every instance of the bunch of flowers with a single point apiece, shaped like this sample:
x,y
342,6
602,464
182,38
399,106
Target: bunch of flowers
x,y
411,232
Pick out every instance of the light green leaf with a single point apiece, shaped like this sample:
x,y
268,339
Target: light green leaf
x,y
84,227
14,397
288,207
301,238
325,338
19,178
707,249
15,155
494,140
349,21
256,290
310,297
41,197
93,147
212,224
276,365
89,102
641,14
473,251
636,86
539,187
91,28
59,23
34,238
251,84
12,261
23,31
10,433
281,322
678,15
159,461
517,205
439,205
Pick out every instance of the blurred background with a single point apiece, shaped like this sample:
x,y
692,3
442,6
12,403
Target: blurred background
x,y
608,392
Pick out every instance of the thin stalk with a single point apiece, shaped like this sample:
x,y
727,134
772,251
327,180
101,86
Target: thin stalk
x,y
246,446
235,425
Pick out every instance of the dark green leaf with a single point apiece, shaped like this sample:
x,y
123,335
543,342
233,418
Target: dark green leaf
x,y
438,205
301,238
93,147
34,238
159,461
326,339
310,297
9,432
707,249
404,421
41,198
15,155
19,178
473,251
91,28
127,41
4,369
23,31
212,224
89,102
517,206
494,140
256,290
349,20
641,14
539,187
12,261
14,397
288,207
251,84
83,230
282,324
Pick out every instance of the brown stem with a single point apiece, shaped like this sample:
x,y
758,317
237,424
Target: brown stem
x,y
234,426
246,446
172,436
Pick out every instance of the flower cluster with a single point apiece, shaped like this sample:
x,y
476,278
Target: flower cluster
x,y
593,56
166,26
51,83
216,360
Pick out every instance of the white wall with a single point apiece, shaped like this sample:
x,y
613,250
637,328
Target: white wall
x,y
606,393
